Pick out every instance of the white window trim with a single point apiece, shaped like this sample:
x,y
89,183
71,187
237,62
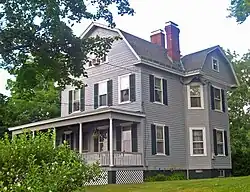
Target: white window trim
x,y
119,89
221,110
201,95
73,101
164,150
103,81
157,102
223,138
122,139
191,141
213,58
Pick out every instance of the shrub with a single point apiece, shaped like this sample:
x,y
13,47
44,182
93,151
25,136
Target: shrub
x,y
176,176
34,164
158,177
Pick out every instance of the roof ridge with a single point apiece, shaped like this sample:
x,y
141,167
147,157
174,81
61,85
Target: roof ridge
x,y
206,49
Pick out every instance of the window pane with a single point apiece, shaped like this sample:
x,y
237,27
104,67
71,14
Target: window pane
x,y
102,88
103,100
124,82
197,135
126,139
198,145
195,91
219,136
160,148
220,149
76,94
198,151
195,102
217,93
76,106
158,96
159,131
217,104
125,95
157,83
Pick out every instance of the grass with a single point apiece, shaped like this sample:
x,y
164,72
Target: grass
x,y
232,184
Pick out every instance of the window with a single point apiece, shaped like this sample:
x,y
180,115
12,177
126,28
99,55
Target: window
x,y
124,88
217,99
103,93
126,139
195,96
160,148
220,142
93,60
76,100
197,142
103,140
158,90
68,136
215,64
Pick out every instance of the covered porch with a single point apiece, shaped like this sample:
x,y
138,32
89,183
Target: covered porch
x,y
110,136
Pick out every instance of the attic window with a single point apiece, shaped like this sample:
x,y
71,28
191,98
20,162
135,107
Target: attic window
x,y
215,64
94,61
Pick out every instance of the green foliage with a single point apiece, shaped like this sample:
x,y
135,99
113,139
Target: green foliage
x,y
240,9
161,177
3,103
239,115
41,30
34,164
26,106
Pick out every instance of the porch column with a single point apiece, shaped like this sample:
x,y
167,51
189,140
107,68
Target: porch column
x,y
111,163
54,137
33,134
80,137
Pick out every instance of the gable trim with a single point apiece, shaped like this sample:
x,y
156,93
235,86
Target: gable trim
x,y
94,24
224,55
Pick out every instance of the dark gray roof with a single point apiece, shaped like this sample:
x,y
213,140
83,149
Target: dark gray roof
x,y
195,60
150,51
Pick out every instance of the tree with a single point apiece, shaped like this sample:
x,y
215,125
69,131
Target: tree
x,y
34,164
239,115
26,106
3,103
41,30
240,9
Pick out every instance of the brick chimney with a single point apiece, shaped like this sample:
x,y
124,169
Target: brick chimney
x,y
158,37
172,37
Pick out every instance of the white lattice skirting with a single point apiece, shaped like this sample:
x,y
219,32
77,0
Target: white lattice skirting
x,y
102,180
129,176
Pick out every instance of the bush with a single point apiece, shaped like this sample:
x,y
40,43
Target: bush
x,y
34,164
162,177
176,176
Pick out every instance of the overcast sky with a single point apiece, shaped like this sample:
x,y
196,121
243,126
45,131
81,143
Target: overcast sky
x,y
202,24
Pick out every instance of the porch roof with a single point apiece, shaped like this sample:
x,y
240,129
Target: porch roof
x,y
82,117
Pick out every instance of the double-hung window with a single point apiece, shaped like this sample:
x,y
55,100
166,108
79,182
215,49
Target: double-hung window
x,y
124,88
160,139
158,90
197,142
217,99
215,64
76,100
195,96
220,142
103,93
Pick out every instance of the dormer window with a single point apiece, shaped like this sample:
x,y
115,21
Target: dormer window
x,y
94,61
215,64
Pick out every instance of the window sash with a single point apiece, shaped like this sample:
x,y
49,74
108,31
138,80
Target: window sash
x,y
217,100
76,100
103,140
215,64
102,88
160,139
197,139
103,100
220,142
127,139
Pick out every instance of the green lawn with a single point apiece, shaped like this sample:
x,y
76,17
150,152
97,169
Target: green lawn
x,y
234,184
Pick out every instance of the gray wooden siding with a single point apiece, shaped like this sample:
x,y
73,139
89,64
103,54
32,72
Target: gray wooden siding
x,y
219,120
198,118
225,73
120,62
171,115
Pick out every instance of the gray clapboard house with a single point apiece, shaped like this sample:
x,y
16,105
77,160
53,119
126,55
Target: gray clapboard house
x,y
147,108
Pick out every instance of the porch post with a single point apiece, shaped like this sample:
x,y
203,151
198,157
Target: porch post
x,y
80,137
54,137
33,134
111,163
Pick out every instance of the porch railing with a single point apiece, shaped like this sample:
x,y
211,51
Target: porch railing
x,y
120,158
